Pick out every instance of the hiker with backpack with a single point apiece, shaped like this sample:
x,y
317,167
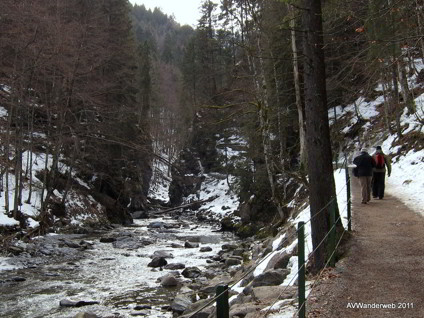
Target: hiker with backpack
x,y
381,161
365,164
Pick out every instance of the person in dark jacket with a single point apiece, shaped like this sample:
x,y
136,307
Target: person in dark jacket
x,y
379,174
365,165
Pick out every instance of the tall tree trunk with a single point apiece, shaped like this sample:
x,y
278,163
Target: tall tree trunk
x,y
386,103
299,106
282,135
257,68
18,173
320,169
396,100
418,10
31,148
406,93
6,159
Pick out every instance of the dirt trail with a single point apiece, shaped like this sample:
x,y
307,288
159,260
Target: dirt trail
x,y
383,269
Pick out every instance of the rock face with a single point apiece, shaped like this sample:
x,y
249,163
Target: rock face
x,y
186,177
198,157
279,261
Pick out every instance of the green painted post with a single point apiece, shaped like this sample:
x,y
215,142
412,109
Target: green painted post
x,y
301,268
349,202
222,306
332,235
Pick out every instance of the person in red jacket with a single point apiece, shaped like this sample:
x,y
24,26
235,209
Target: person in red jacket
x,y
381,161
365,164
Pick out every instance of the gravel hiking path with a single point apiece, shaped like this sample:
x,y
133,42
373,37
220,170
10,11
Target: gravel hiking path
x,y
383,270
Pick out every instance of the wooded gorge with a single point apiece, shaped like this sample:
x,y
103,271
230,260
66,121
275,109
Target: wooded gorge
x,y
107,91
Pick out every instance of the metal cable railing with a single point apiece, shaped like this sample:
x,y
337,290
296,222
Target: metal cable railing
x,y
331,201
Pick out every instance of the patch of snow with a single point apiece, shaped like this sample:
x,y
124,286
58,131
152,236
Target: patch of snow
x,y
7,221
225,202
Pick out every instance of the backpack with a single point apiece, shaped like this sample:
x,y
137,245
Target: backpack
x,y
379,161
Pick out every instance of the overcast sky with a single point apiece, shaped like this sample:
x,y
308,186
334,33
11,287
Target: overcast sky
x,y
185,11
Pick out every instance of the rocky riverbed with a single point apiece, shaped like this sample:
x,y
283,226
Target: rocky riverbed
x,y
159,267
112,273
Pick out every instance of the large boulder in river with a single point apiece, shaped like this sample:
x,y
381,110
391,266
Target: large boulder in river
x,y
158,262
169,281
191,272
175,266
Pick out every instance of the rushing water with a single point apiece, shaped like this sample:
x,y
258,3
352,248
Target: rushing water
x,y
117,278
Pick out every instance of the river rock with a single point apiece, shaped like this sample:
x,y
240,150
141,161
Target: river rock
x,y
162,253
191,245
142,307
231,261
238,252
263,294
204,313
242,310
229,247
77,303
205,249
270,278
180,304
278,261
156,225
174,266
169,281
46,251
15,250
157,262
86,315
143,313
86,245
107,239
191,272
70,244
128,242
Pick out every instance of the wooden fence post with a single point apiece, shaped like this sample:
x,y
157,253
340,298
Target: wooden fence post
x,y
301,268
222,306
